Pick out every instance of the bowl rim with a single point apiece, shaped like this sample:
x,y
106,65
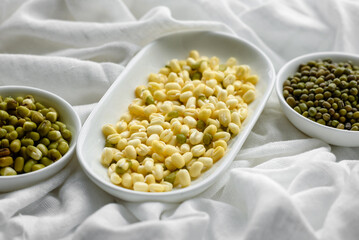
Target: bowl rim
x,y
209,179
296,61
77,127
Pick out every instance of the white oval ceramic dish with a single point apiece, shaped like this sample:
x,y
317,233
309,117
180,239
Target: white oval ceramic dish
x,y
330,135
67,115
150,59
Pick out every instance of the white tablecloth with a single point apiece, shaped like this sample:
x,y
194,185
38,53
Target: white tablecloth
x,y
282,185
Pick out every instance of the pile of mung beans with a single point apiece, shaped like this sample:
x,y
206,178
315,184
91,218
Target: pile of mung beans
x,y
31,135
325,92
179,124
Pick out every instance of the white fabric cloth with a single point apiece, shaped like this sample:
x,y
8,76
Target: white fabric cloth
x,y
282,185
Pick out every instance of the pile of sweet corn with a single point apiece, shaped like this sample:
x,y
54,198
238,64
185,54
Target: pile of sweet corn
x,y
178,125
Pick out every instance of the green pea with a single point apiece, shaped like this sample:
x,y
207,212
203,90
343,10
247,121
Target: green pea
x,y
29,126
27,142
37,117
5,143
7,171
19,164
6,161
45,141
181,138
201,125
67,135
23,111
28,165
63,147
171,177
3,132
44,128
207,138
37,166
172,114
54,154
15,145
46,161
33,135
51,116
54,135
197,76
149,100
53,145
120,170
34,152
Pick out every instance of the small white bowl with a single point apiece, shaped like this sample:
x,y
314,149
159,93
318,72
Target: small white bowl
x,y
329,135
67,115
150,59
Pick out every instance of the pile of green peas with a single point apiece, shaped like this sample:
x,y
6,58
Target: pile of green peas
x,y
31,135
325,92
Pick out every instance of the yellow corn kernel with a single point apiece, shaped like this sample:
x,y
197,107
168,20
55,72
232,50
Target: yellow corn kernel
x,y
167,186
177,160
172,86
136,110
175,66
204,114
154,129
196,137
158,172
208,153
166,135
211,129
183,178
221,136
232,103
242,72
252,79
224,117
107,156
231,62
190,122
149,179
218,153
148,163
156,187
228,80
130,152
150,109
151,138
221,143
158,157
139,135
199,90
243,113
121,126
141,169
118,155
113,138
169,165
134,164
108,129
141,187
198,150
169,150
121,144
249,96
134,142
158,147
208,91
126,180
194,54
160,95
187,157
115,178
142,150
233,128
206,161
195,169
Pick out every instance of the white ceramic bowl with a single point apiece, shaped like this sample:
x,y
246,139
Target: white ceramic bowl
x,y
330,135
67,115
150,59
